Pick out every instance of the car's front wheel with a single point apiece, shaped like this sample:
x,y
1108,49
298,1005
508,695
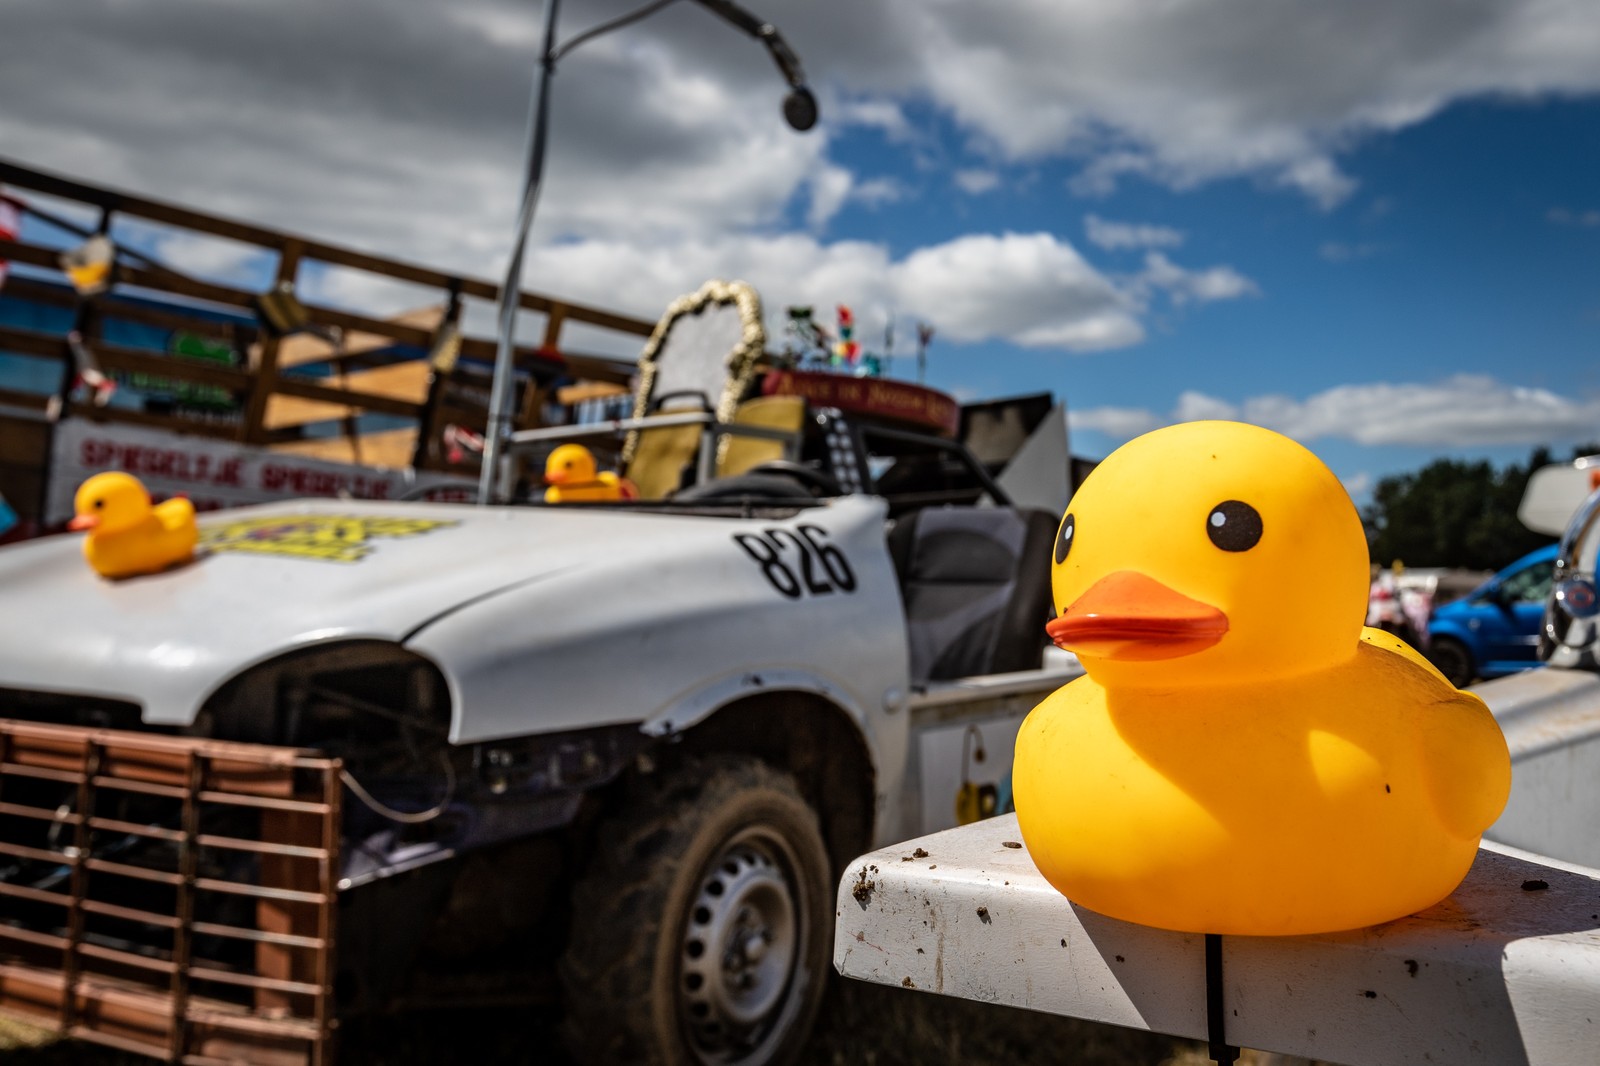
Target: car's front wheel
x,y
701,932
1454,661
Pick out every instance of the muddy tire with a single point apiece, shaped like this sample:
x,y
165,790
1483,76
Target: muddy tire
x,y
701,932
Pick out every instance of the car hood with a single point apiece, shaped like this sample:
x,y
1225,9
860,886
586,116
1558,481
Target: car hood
x,y
273,578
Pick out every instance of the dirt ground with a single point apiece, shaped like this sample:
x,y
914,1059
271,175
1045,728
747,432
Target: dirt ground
x,y
861,1025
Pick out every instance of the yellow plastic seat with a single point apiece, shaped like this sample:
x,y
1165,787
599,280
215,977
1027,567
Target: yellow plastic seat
x,y
660,457
739,453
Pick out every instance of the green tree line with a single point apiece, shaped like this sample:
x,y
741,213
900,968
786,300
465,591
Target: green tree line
x,y
1455,513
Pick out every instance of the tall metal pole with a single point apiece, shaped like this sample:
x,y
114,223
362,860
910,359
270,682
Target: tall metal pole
x,y
799,110
511,289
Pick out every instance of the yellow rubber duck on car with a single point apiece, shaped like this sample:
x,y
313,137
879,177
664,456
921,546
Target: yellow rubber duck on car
x,y
128,534
1242,756
572,478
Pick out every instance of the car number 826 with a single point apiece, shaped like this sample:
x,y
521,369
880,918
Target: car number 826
x,y
799,561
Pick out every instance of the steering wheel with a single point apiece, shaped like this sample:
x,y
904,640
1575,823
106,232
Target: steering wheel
x,y
819,482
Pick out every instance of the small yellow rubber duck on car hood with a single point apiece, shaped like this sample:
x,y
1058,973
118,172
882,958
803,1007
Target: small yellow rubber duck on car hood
x,y
1242,756
127,534
571,476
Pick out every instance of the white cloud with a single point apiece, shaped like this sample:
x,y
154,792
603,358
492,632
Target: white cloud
x,y
500,26
396,124
1029,289
198,255
976,182
875,192
1038,291
830,188
1101,173
1118,423
1357,484
1461,410
1321,179
1563,216
1117,235
1466,410
1188,92
1198,407
1183,285
358,290
883,115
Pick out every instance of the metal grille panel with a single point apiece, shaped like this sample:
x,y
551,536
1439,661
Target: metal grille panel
x,y
169,896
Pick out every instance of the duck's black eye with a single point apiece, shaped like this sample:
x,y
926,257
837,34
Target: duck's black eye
x,y
1064,539
99,503
1234,526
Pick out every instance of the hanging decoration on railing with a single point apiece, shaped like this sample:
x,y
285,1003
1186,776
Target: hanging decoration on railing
x,y
89,375
446,349
458,441
281,314
281,311
89,265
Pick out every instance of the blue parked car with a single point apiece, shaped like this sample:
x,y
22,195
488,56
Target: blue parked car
x,y
1494,629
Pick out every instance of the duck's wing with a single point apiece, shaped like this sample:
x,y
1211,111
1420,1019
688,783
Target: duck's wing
x,y
1465,762
176,513
1386,641
1466,767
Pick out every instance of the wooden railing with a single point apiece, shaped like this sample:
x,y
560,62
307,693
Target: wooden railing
x,y
282,381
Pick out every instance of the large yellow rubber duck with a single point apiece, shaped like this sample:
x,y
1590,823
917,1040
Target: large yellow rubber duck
x,y
1242,756
127,534
570,473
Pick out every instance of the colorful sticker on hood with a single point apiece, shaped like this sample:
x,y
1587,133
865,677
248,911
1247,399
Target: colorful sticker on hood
x,y
329,537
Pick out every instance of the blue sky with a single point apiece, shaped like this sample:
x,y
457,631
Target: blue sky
x,y
1371,224
1471,246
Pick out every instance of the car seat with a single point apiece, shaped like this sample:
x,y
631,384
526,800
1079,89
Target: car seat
x,y
975,583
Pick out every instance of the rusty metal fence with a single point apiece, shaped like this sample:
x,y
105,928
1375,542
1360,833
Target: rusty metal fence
x,y
169,896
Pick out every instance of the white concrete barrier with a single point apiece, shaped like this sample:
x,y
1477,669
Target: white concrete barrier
x,y
1505,972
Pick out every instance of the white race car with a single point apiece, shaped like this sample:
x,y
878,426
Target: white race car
x,y
354,746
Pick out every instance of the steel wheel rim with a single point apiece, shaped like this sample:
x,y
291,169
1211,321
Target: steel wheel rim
x,y
740,947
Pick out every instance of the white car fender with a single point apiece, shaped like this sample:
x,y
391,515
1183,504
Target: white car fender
x,y
666,631
720,692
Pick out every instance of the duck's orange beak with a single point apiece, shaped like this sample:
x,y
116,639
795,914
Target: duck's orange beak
x,y
84,521
1126,615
